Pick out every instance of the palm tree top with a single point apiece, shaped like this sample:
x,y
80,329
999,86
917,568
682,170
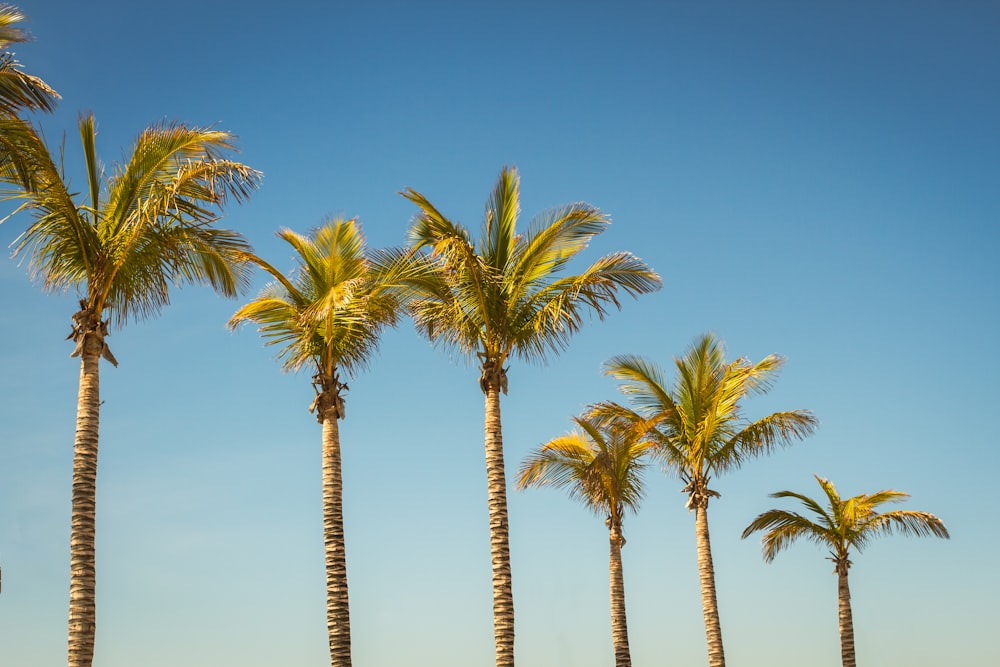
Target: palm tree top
x,y
504,293
331,309
598,464
147,226
843,524
698,421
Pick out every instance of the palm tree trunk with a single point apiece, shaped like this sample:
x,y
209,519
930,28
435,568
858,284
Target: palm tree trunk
x,y
710,607
82,579
619,627
846,618
338,616
503,595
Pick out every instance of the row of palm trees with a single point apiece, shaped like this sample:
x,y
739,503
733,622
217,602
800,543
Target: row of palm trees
x,y
695,429
150,223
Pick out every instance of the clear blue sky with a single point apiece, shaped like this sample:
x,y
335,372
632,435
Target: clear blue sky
x,y
814,180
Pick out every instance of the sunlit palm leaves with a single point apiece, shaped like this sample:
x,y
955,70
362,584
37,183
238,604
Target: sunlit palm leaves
x,y
504,294
600,466
19,90
843,524
330,311
145,228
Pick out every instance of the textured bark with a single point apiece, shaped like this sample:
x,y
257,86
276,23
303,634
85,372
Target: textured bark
x,y
619,627
706,571
82,580
503,595
846,618
338,616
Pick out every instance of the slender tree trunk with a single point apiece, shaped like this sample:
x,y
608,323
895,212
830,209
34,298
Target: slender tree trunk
x,y
82,579
503,595
338,616
706,571
619,627
846,618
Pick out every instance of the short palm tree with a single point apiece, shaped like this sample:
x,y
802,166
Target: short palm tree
x,y
699,431
148,226
505,296
602,466
841,526
327,316
19,90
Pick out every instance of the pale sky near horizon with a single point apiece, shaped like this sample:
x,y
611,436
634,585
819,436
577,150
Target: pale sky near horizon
x,y
812,180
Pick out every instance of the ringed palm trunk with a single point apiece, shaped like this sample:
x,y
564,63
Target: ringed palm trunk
x,y
338,617
82,581
846,618
619,627
706,572
503,595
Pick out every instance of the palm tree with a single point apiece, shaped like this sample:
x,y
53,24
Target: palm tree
x,y
602,466
699,430
147,226
842,525
328,317
504,296
19,90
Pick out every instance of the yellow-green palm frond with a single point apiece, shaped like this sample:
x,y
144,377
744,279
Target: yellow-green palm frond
x,y
498,237
330,311
555,237
19,90
598,464
543,317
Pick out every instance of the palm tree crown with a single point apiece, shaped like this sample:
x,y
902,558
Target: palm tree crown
x,y
503,295
146,227
600,466
698,423
843,525
332,309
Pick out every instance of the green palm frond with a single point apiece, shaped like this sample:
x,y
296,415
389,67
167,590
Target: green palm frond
x,y
19,90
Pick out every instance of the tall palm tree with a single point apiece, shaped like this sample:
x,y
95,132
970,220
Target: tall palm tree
x,y
700,431
841,526
602,466
504,296
146,227
328,316
19,90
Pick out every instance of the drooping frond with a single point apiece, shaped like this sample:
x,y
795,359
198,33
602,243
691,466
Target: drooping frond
x,y
19,90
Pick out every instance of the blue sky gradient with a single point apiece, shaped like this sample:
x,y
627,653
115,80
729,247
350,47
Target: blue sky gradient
x,y
816,181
